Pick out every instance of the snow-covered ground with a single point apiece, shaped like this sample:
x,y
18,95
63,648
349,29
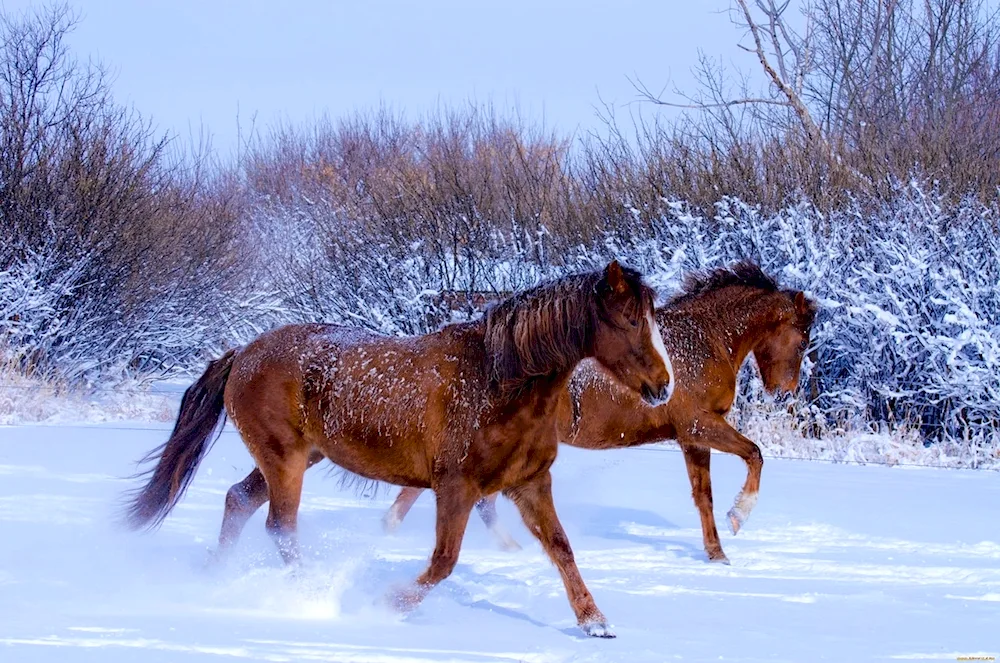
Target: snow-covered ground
x,y
838,563
31,400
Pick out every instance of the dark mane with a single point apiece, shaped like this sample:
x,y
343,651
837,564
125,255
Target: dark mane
x,y
744,273
550,328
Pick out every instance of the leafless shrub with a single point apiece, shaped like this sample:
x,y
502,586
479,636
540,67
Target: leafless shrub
x,y
864,95
464,199
107,232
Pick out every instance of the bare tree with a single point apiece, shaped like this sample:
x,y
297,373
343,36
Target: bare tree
x,y
880,89
783,55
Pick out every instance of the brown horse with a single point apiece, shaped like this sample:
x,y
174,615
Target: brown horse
x,y
468,411
710,328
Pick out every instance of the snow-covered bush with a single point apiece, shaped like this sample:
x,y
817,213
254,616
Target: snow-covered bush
x,y
909,330
114,250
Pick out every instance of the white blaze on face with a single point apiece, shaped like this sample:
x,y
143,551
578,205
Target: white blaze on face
x,y
657,339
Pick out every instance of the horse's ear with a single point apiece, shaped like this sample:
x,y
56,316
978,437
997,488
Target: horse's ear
x,y
802,306
615,277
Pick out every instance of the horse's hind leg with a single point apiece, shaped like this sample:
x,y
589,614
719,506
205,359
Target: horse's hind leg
x,y
282,456
713,431
242,501
534,501
454,504
487,508
698,460
284,487
394,516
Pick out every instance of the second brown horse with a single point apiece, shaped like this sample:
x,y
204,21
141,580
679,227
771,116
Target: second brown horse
x,y
717,320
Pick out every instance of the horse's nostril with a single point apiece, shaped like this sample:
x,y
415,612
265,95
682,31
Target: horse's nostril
x,y
656,396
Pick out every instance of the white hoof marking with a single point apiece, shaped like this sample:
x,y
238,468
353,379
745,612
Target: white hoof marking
x,y
597,629
504,539
391,521
741,511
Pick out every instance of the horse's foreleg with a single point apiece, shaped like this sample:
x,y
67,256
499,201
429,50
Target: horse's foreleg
x,y
534,501
487,508
698,461
715,432
454,505
394,516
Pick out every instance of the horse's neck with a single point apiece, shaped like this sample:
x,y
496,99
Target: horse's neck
x,y
744,320
541,393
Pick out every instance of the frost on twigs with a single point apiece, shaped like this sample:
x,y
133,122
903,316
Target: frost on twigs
x,y
904,362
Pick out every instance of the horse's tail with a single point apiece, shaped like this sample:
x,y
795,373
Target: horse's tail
x,y
177,459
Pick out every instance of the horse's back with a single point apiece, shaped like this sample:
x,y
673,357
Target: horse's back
x,y
268,374
375,405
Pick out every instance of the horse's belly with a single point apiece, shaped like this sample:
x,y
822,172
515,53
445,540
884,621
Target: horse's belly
x,y
381,455
603,426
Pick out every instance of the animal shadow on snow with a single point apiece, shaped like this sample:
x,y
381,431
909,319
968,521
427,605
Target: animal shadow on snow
x,y
464,597
463,587
611,523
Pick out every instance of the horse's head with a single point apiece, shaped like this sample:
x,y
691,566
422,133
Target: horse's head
x,y
779,354
627,340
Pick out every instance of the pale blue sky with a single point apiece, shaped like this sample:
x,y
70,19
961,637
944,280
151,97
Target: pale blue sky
x,y
192,63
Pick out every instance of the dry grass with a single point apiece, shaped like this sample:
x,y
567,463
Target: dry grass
x,y
786,430
28,400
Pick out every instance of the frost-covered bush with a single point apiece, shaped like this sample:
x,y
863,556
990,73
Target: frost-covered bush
x,y
908,334
54,325
114,250
909,329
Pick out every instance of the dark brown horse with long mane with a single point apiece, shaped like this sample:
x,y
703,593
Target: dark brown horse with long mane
x,y
710,328
468,411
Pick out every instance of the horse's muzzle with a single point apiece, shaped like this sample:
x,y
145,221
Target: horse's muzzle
x,y
656,398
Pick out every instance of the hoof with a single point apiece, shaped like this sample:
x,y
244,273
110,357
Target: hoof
x,y
735,521
718,558
406,600
215,559
741,511
505,540
598,629
390,522
510,545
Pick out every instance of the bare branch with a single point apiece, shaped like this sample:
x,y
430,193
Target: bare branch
x,y
648,95
774,19
793,98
